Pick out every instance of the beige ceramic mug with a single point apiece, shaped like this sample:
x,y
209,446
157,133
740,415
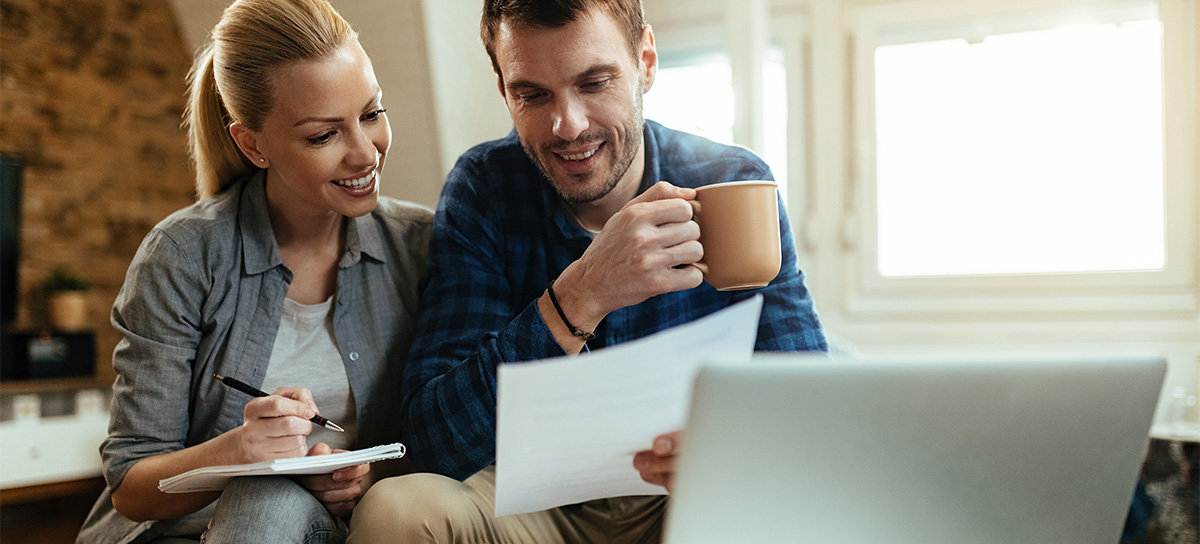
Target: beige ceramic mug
x,y
739,229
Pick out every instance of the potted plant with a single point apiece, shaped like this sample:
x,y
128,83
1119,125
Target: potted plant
x,y
66,303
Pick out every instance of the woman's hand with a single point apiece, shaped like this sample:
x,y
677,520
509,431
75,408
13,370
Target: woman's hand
x,y
340,490
277,426
657,465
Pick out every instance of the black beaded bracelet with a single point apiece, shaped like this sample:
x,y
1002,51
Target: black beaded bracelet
x,y
586,336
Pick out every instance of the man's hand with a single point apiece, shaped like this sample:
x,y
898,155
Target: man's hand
x,y
657,464
636,256
277,426
339,490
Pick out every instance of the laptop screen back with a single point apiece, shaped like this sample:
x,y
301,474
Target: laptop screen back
x,y
800,448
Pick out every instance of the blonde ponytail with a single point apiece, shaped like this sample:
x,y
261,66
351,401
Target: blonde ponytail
x,y
217,158
231,77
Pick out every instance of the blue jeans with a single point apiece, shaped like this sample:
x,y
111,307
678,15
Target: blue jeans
x,y
272,509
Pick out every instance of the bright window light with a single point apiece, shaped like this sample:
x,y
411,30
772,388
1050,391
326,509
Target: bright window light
x,y
694,93
1031,152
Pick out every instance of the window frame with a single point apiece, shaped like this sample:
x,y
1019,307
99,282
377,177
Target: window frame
x,y
790,32
1169,293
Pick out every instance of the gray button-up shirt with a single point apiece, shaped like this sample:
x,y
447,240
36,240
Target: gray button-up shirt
x,y
204,295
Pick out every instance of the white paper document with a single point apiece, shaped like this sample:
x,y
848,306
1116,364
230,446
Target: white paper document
x,y
567,428
215,478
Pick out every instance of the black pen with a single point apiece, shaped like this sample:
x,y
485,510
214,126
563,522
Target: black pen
x,y
240,386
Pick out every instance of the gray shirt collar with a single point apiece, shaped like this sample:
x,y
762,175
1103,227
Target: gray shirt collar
x,y
259,250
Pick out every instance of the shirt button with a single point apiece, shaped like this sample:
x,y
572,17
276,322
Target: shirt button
x,y
353,355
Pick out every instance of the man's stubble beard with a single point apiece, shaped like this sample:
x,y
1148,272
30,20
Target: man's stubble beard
x,y
622,159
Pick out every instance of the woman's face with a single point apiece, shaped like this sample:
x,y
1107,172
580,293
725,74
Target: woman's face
x,y
326,136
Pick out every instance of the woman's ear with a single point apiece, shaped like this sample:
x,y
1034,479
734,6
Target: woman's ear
x,y
247,142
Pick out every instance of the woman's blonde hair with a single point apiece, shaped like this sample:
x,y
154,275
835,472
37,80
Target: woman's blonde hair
x,y
231,78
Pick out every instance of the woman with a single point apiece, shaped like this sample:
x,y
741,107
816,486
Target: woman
x,y
290,274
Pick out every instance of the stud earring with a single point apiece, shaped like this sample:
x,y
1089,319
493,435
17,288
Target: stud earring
x,y
260,159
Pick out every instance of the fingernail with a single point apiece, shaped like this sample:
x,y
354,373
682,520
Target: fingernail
x,y
662,445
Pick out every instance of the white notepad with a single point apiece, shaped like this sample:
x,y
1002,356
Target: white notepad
x,y
215,478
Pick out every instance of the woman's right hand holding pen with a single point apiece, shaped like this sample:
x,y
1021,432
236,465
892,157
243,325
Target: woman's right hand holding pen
x,y
273,427
277,426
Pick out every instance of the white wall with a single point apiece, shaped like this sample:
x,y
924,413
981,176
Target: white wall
x,y
468,104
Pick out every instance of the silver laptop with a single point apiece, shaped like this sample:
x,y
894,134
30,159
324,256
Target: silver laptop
x,y
806,449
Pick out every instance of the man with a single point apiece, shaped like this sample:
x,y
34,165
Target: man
x,y
572,196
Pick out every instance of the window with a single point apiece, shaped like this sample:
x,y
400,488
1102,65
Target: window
x,y
693,92
953,192
1024,152
1022,163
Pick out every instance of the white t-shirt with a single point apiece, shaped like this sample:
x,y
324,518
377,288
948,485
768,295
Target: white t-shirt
x,y
306,355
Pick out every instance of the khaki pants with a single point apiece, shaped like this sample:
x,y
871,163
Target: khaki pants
x,y
432,508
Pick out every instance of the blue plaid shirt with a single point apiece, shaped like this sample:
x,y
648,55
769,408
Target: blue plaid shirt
x,y
499,237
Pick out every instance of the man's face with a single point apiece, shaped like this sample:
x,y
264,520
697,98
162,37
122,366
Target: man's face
x,y
575,96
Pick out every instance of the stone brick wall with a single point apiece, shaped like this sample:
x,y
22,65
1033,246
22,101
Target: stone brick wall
x,y
91,94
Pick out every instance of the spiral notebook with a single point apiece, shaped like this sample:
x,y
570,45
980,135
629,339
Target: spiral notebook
x,y
215,478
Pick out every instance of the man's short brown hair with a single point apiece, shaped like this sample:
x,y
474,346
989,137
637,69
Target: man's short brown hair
x,y
554,14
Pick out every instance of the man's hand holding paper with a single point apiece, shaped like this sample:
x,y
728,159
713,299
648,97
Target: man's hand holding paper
x,y
568,428
657,464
